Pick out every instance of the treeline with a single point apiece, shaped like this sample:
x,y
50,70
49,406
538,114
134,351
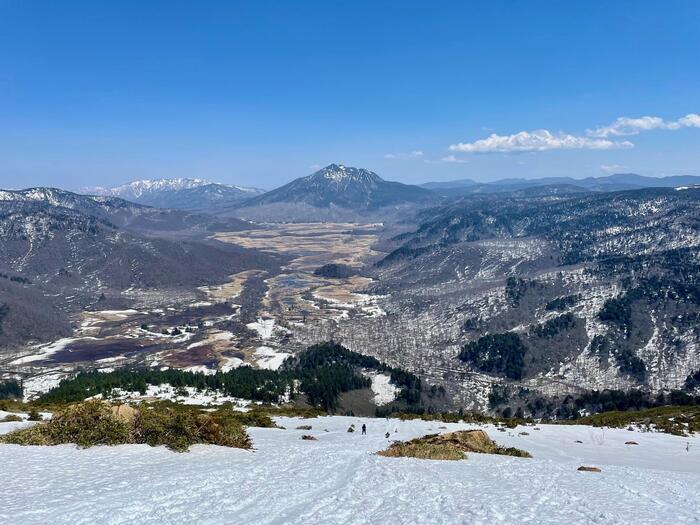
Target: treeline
x,y
245,382
595,402
11,389
15,278
4,310
562,303
506,401
323,372
501,354
332,354
554,326
692,381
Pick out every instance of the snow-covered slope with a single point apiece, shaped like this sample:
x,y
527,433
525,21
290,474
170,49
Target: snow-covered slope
x,y
179,194
338,479
135,189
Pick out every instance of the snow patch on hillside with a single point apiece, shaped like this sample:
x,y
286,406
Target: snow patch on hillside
x,y
184,395
384,391
263,326
269,358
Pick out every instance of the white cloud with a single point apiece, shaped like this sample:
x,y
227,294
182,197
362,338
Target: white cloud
x,y
411,155
612,168
625,126
538,140
454,160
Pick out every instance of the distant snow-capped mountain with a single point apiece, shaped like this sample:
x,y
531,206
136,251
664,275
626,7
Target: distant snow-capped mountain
x,y
179,193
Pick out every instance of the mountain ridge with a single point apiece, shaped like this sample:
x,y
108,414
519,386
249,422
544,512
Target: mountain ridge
x,y
178,193
613,182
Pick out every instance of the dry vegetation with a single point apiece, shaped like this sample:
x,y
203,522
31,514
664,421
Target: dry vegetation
x,y
422,450
450,446
313,243
677,420
96,423
231,289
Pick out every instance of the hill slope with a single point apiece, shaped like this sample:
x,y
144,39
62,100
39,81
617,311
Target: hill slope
x,y
61,252
555,295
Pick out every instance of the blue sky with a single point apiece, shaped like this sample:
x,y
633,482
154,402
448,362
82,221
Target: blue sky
x,y
261,92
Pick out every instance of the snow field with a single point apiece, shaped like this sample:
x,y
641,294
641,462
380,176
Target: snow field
x,y
337,479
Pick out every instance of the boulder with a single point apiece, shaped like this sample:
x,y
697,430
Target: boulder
x,y
588,469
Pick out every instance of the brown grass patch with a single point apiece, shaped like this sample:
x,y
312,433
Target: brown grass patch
x,y
422,450
446,446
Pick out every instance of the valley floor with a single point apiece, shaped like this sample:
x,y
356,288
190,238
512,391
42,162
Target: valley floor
x,y
338,479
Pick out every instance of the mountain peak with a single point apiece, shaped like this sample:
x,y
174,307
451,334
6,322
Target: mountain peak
x,y
339,173
338,186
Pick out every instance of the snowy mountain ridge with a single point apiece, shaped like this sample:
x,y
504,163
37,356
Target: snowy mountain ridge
x,y
178,193
138,188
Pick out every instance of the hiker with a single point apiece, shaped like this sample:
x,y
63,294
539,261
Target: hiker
x,y
387,435
364,429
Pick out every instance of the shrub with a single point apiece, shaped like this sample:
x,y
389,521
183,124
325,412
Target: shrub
x,y
420,450
91,423
97,423
253,418
178,429
34,415
677,420
10,389
11,418
446,446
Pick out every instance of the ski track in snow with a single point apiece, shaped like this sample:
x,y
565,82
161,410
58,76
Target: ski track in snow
x,y
338,479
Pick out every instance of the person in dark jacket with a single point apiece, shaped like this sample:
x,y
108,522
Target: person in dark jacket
x,y
364,429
